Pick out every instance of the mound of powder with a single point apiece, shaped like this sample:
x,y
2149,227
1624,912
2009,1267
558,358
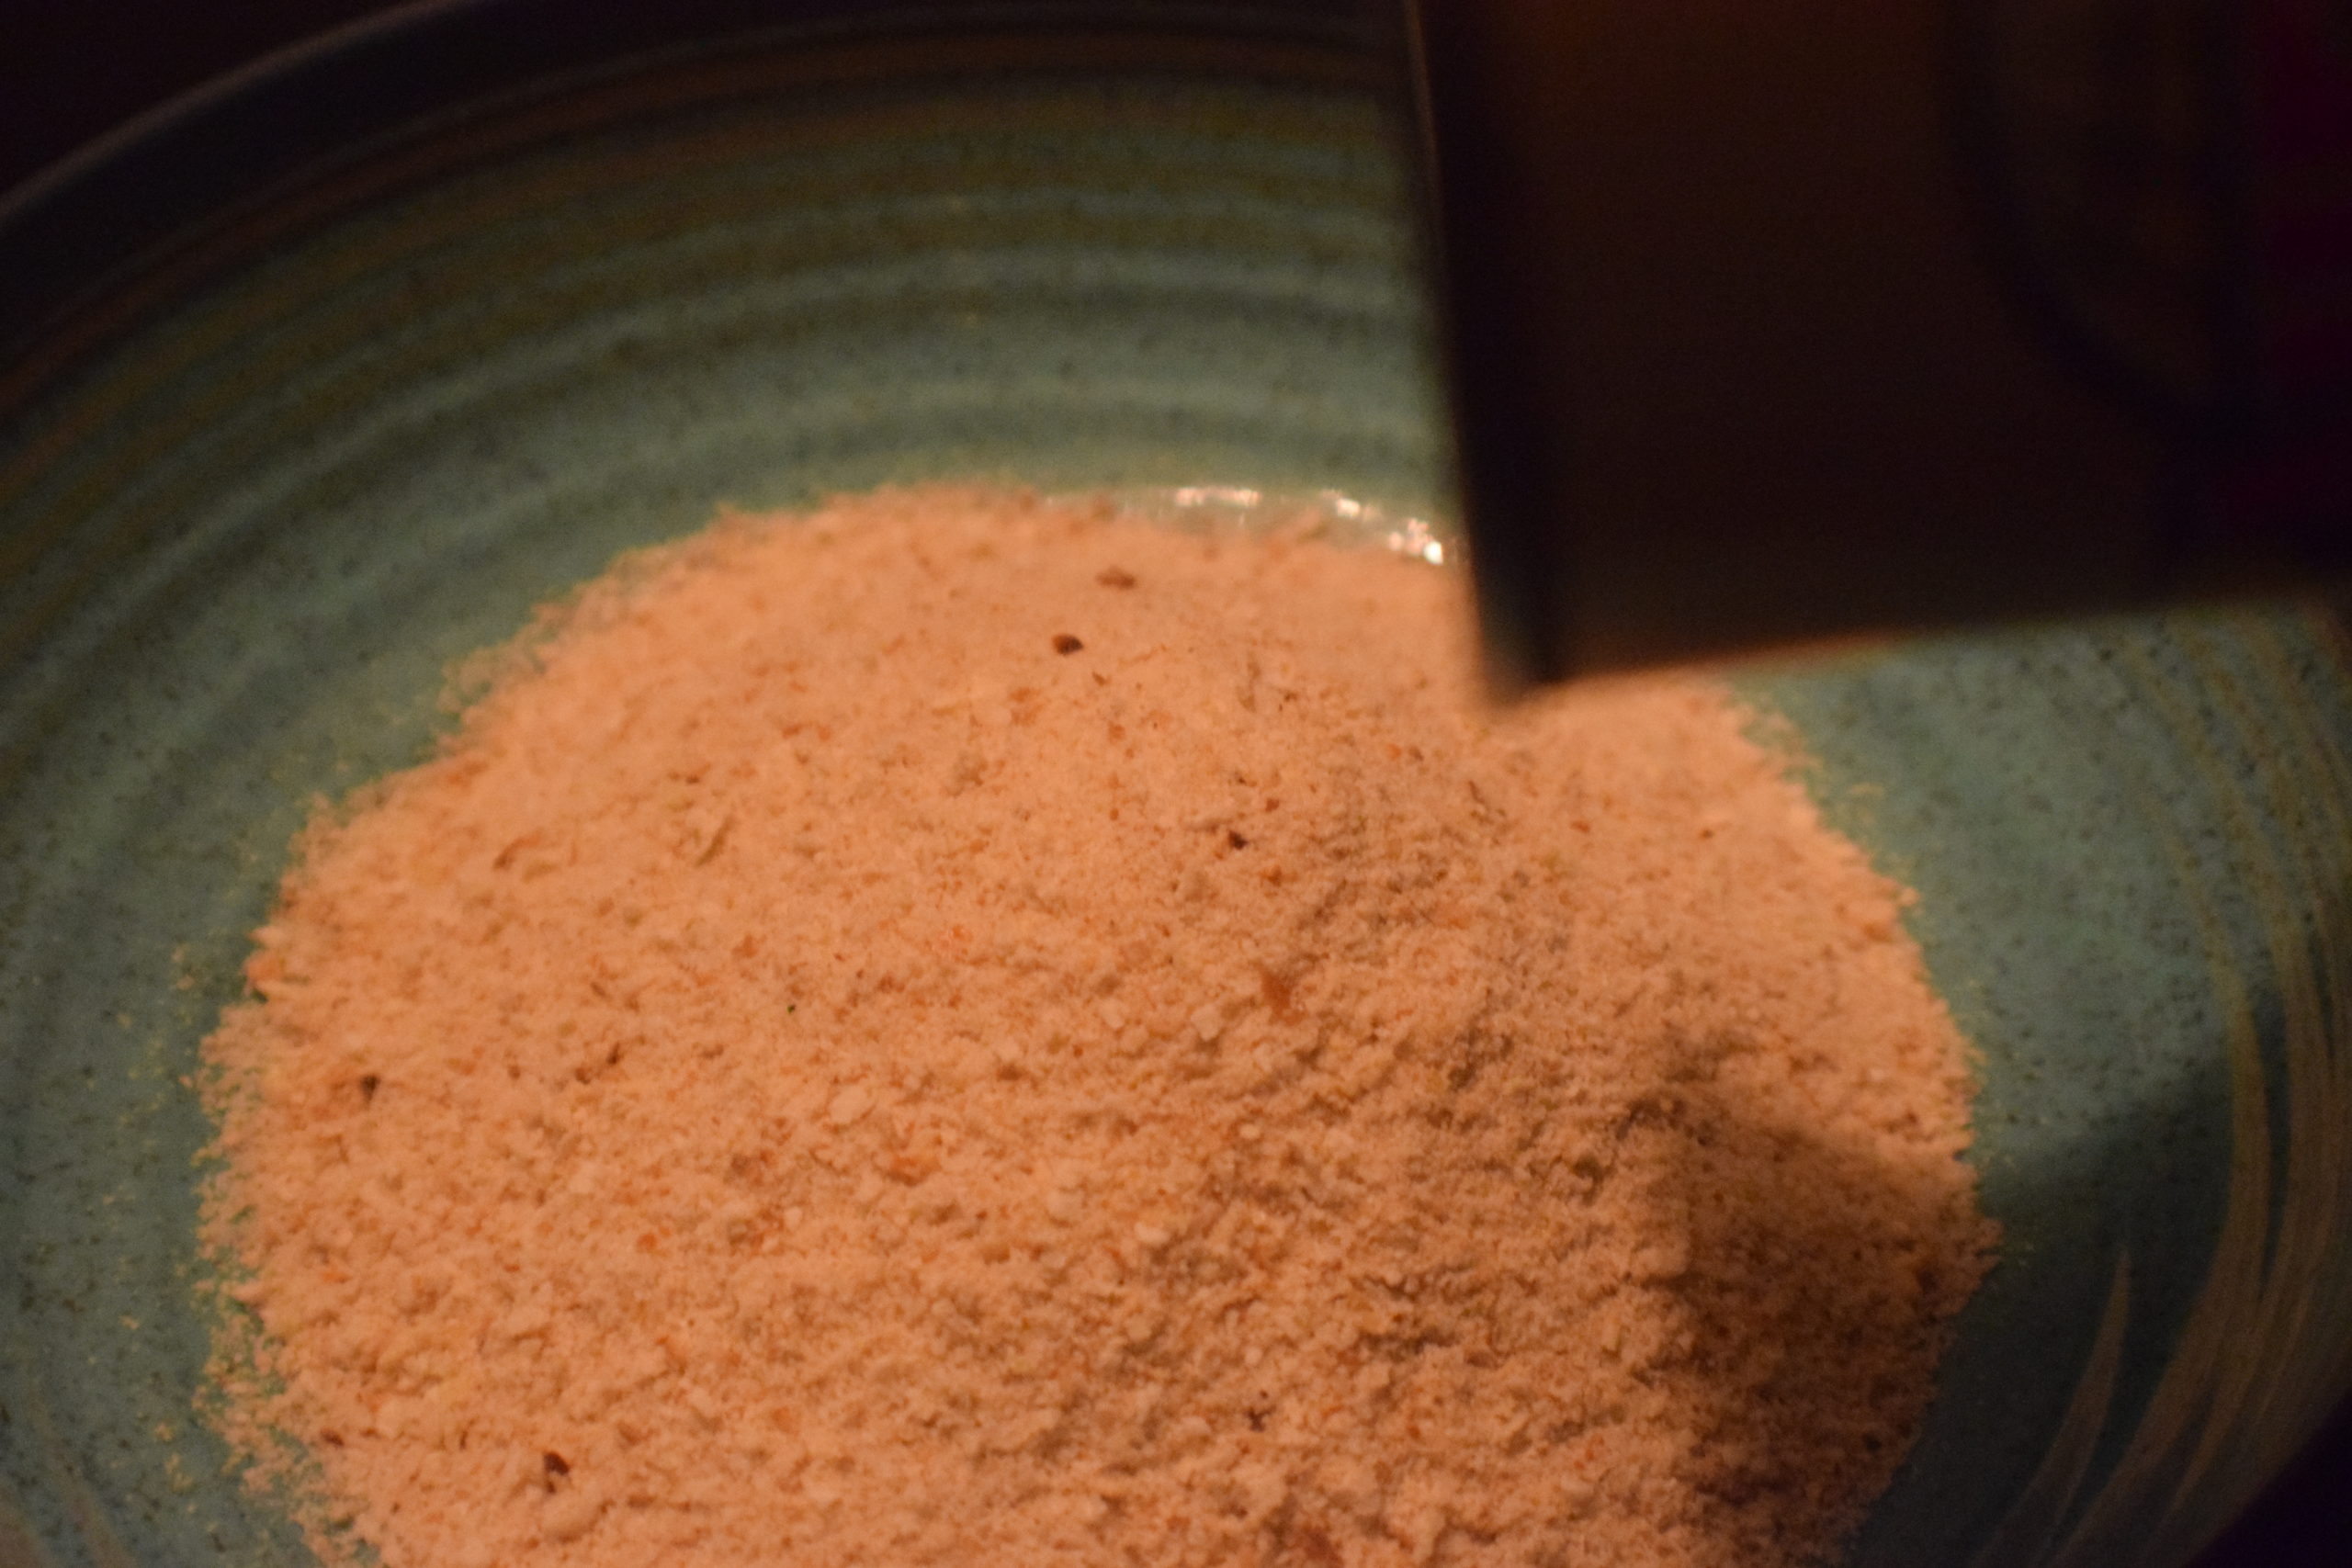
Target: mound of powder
x,y
962,1030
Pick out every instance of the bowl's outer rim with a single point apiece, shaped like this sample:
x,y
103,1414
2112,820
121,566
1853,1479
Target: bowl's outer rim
x,y
93,242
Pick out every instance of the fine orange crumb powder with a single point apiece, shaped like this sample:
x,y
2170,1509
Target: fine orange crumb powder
x,y
965,1029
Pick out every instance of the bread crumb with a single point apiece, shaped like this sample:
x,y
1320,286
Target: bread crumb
x,y
836,1086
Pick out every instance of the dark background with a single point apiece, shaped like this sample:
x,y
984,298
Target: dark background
x,y
73,69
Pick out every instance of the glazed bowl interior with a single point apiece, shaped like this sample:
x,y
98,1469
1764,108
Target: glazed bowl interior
x,y
260,490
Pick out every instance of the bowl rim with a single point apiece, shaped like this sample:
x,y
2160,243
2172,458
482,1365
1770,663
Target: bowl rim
x,y
84,240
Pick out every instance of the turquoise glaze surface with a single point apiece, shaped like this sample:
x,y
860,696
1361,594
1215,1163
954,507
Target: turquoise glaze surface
x,y
239,548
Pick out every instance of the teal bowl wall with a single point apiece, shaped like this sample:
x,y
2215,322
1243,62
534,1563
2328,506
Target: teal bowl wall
x,y
241,541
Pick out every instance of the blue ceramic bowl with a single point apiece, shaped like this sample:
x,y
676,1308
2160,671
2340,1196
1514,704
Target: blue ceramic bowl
x,y
257,490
